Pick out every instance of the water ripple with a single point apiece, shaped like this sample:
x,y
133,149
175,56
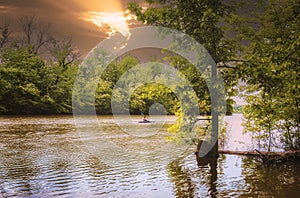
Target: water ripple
x,y
45,157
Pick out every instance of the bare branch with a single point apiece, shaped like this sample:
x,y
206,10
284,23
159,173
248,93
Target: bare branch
x,y
5,34
36,35
63,51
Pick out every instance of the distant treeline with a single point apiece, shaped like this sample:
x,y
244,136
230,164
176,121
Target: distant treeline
x,y
37,72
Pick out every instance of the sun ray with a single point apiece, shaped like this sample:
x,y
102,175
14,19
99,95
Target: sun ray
x,y
111,22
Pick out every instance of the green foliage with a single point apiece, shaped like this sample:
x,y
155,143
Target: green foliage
x,y
199,19
272,72
205,21
141,99
149,94
61,86
103,97
29,86
22,75
115,70
194,76
238,108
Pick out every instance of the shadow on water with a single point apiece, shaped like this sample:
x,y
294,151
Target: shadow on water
x,y
272,180
182,180
194,180
234,176
213,173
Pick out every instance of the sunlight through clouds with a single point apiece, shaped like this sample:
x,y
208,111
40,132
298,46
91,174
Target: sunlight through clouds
x,y
111,23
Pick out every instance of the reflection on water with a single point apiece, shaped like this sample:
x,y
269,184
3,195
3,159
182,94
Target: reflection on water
x,y
267,179
44,157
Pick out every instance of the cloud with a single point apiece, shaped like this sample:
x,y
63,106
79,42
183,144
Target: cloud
x,y
65,17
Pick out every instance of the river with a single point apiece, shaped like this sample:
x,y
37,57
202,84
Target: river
x,y
44,156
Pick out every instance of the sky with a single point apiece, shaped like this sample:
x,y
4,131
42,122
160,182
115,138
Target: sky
x,y
85,20
82,19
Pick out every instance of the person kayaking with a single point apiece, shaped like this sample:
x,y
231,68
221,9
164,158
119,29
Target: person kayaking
x,y
145,119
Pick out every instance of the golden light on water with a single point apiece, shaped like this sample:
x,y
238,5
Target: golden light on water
x,y
111,22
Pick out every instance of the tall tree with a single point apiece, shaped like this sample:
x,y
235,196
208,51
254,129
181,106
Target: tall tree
x,y
203,20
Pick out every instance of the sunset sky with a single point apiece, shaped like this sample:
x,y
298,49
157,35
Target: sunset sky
x,y
85,20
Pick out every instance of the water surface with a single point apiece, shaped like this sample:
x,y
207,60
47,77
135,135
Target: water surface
x,y
44,156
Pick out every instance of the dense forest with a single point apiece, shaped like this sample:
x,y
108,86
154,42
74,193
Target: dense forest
x,y
259,46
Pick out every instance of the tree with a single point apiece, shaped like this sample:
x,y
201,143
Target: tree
x,y
271,71
22,77
151,93
63,51
5,34
260,114
30,84
103,97
204,21
36,36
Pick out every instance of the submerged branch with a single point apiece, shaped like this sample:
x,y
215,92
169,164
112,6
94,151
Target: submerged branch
x,y
263,153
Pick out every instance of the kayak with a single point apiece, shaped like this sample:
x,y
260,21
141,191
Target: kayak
x,y
145,121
